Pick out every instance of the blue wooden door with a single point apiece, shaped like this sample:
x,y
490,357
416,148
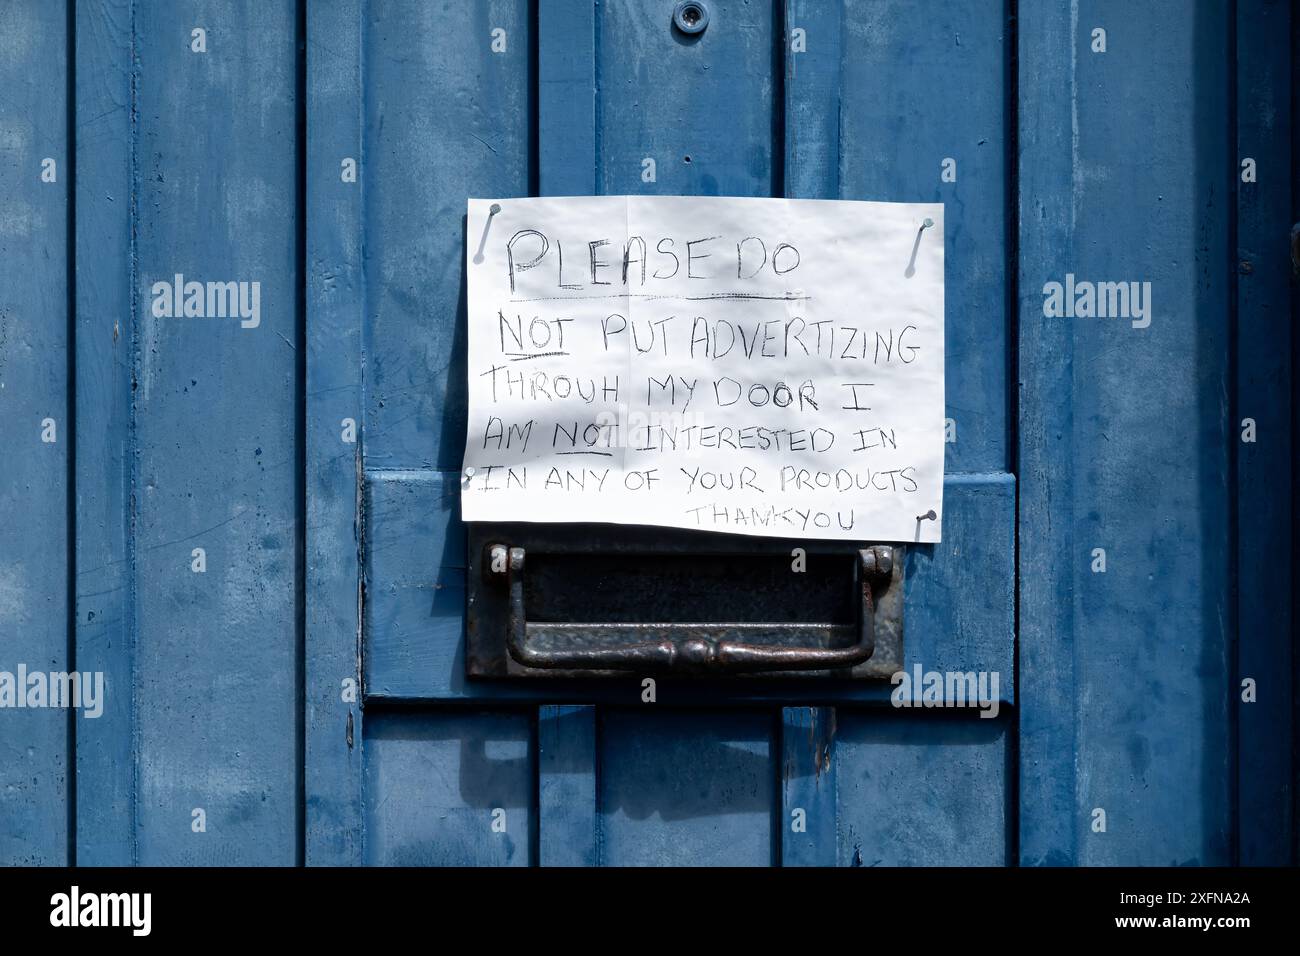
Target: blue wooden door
x,y
252,530
1125,675
609,98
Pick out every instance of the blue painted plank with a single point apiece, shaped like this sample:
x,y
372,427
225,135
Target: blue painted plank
x,y
809,819
686,788
566,786
1048,728
959,613
445,118
449,789
927,790
414,615
34,757
335,307
216,449
1125,674
814,99
1265,509
1158,723
106,290
566,97
700,107
885,94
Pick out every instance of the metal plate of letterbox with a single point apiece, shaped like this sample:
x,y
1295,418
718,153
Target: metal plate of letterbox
x,y
616,574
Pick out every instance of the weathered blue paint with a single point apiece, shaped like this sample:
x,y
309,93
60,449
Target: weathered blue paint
x,y
687,788
331,560
444,118
34,758
449,789
567,96
567,806
1126,678
944,67
955,772
335,404
1264,512
106,305
809,821
215,444
1049,817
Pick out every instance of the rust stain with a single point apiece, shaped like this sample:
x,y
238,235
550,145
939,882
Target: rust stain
x,y
359,520
821,738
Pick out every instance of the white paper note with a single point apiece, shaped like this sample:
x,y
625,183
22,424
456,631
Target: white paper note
x,y
752,366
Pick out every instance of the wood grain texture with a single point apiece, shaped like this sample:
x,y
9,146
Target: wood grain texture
x,y
215,440
107,288
809,821
1265,511
334,325
920,84
567,770
445,119
928,789
35,760
1124,442
450,789
683,788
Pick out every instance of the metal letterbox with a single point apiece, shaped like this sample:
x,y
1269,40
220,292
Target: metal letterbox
x,y
603,600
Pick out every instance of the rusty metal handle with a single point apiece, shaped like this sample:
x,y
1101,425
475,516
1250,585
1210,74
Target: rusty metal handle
x,y
710,648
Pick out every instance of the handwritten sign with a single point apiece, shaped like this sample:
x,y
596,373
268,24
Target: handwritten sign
x,y
752,366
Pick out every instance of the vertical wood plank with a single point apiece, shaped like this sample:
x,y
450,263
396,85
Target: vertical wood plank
x,y
34,742
810,805
567,754
688,787
448,113
216,439
566,97
923,788
704,108
812,106
1048,717
106,342
1265,773
567,165
335,315
450,788
925,94
1125,436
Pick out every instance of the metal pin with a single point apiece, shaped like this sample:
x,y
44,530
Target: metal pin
x,y
911,264
467,474
928,516
492,211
